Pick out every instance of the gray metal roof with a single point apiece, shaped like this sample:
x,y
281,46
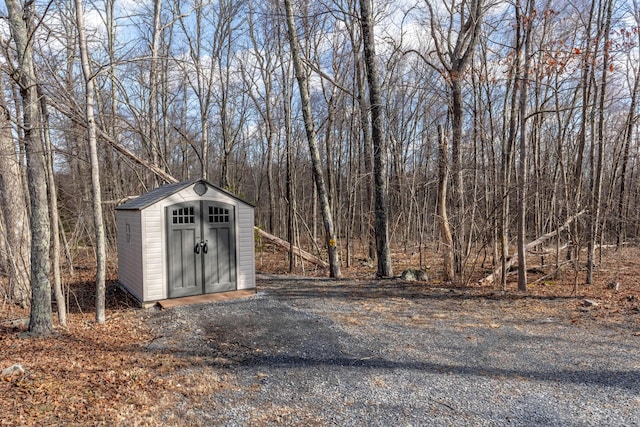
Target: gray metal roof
x,y
154,196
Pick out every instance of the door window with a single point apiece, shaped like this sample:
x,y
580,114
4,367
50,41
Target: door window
x,y
183,216
218,215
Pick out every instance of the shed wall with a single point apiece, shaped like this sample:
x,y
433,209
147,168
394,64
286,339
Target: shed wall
x,y
130,262
155,254
246,256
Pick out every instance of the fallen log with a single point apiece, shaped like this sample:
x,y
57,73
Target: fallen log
x,y
555,271
286,246
512,259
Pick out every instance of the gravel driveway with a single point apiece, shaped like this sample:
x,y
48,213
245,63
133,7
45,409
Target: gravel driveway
x,y
384,353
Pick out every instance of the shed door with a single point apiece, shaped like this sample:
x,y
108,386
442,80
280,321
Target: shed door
x,y
220,258
200,248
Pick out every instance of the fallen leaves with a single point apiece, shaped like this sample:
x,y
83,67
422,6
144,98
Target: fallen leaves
x,y
63,371
91,374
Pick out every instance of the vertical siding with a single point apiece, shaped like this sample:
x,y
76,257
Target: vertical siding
x,y
246,252
155,253
130,262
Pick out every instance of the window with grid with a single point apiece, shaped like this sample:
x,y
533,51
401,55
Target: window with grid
x,y
183,216
218,215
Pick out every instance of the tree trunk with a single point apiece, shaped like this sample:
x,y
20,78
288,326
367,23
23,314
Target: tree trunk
x,y
507,156
305,99
152,136
596,190
95,167
456,160
381,190
455,53
586,79
370,233
15,212
443,219
522,166
40,322
291,201
628,137
54,215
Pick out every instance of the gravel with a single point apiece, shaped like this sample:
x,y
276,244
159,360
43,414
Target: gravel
x,y
317,352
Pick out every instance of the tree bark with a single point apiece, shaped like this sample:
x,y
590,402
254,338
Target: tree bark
x,y
152,136
14,210
443,219
290,183
522,166
596,190
54,215
370,232
381,190
96,193
40,321
305,99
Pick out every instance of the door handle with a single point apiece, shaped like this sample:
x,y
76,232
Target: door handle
x,y
197,248
205,247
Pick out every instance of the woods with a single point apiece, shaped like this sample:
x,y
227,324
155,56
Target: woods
x,y
355,127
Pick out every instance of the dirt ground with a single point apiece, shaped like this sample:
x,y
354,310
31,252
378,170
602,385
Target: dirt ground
x,y
87,374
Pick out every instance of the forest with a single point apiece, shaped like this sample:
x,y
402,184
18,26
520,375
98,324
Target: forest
x,y
482,130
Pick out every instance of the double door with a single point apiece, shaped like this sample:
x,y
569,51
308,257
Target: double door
x,y
200,248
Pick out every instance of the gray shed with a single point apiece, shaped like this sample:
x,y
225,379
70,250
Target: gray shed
x,y
184,239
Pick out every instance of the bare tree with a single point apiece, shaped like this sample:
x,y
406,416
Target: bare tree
x,y
454,48
443,218
628,135
526,21
301,76
153,136
200,73
596,190
385,268
261,91
14,211
53,214
40,322
96,193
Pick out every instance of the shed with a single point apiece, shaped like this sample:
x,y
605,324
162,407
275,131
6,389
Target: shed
x,y
184,239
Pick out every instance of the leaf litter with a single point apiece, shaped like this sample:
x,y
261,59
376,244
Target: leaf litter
x,y
89,374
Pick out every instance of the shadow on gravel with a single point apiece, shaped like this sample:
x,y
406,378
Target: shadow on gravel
x,y
620,379
344,289
629,380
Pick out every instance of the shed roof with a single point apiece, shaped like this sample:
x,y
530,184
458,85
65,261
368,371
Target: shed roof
x,y
154,196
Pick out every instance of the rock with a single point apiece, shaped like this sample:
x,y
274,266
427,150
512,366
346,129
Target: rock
x,y
614,285
19,323
366,262
421,276
16,369
590,303
412,275
408,275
